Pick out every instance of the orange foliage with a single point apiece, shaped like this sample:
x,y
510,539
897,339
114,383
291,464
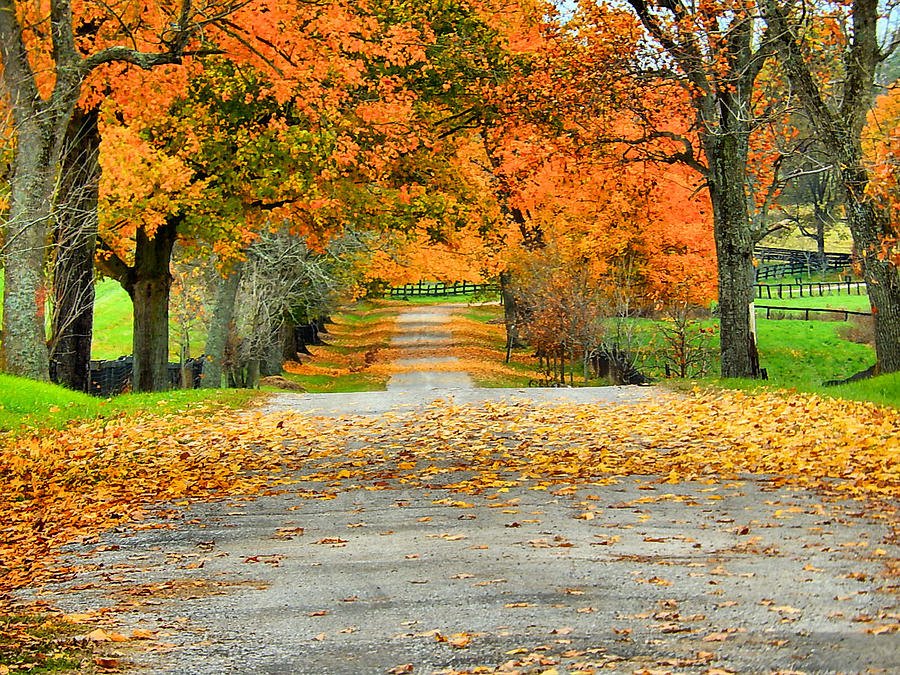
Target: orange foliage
x,y
881,143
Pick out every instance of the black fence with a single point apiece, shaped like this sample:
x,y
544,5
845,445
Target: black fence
x,y
441,289
810,289
110,378
789,312
790,262
793,255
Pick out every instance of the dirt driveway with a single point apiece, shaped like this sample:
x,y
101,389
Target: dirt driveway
x,y
412,546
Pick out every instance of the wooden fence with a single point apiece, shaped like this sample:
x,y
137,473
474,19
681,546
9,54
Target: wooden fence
x,y
792,255
441,289
113,377
793,262
810,289
846,313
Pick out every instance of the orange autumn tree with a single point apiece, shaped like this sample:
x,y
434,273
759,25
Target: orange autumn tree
x,y
708,56
456,232
47,51
628,238
882,149
568,179
337,152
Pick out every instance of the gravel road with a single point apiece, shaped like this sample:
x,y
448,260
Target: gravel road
x,y
740,576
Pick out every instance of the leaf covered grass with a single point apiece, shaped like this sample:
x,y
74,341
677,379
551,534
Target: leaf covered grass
x,y
353,357
29,405
33,642
64,485
61,485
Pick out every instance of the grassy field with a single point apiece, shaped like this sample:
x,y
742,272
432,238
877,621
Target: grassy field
x,y
113,318
797,355
26,404
856,303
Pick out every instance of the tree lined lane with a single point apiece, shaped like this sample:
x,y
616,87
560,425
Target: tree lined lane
x,y
425,328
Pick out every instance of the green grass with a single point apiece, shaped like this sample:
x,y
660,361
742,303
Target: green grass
x,y
37,643
468,298
339,384
882,390
807,353
113,318
27,405
113,325
856,303
483,313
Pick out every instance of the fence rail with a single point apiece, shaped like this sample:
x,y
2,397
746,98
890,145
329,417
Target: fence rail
x,y
806,310
441,289
793,261
793,255
113,377
810,289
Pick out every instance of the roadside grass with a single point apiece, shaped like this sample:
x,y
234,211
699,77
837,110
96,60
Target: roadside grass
x,y
798,355
353,357
27,405
468,298
36,642
336,384
882,390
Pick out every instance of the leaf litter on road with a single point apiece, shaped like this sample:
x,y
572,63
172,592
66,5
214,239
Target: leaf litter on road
x,y
73,484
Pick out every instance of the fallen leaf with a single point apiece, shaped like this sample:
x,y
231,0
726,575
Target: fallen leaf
x,y
716,637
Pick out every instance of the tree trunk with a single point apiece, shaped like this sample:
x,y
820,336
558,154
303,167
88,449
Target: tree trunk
x,y
734,250
821,219
252,379
25,350
76,240
149,287
288,342
587,366
868,226
187,376
510,309
273,362
217,337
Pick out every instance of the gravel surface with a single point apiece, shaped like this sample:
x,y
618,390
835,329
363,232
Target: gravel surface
x,y
744,576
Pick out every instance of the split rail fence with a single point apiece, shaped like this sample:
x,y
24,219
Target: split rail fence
x,y
789,312
789,262
441,289
810,289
